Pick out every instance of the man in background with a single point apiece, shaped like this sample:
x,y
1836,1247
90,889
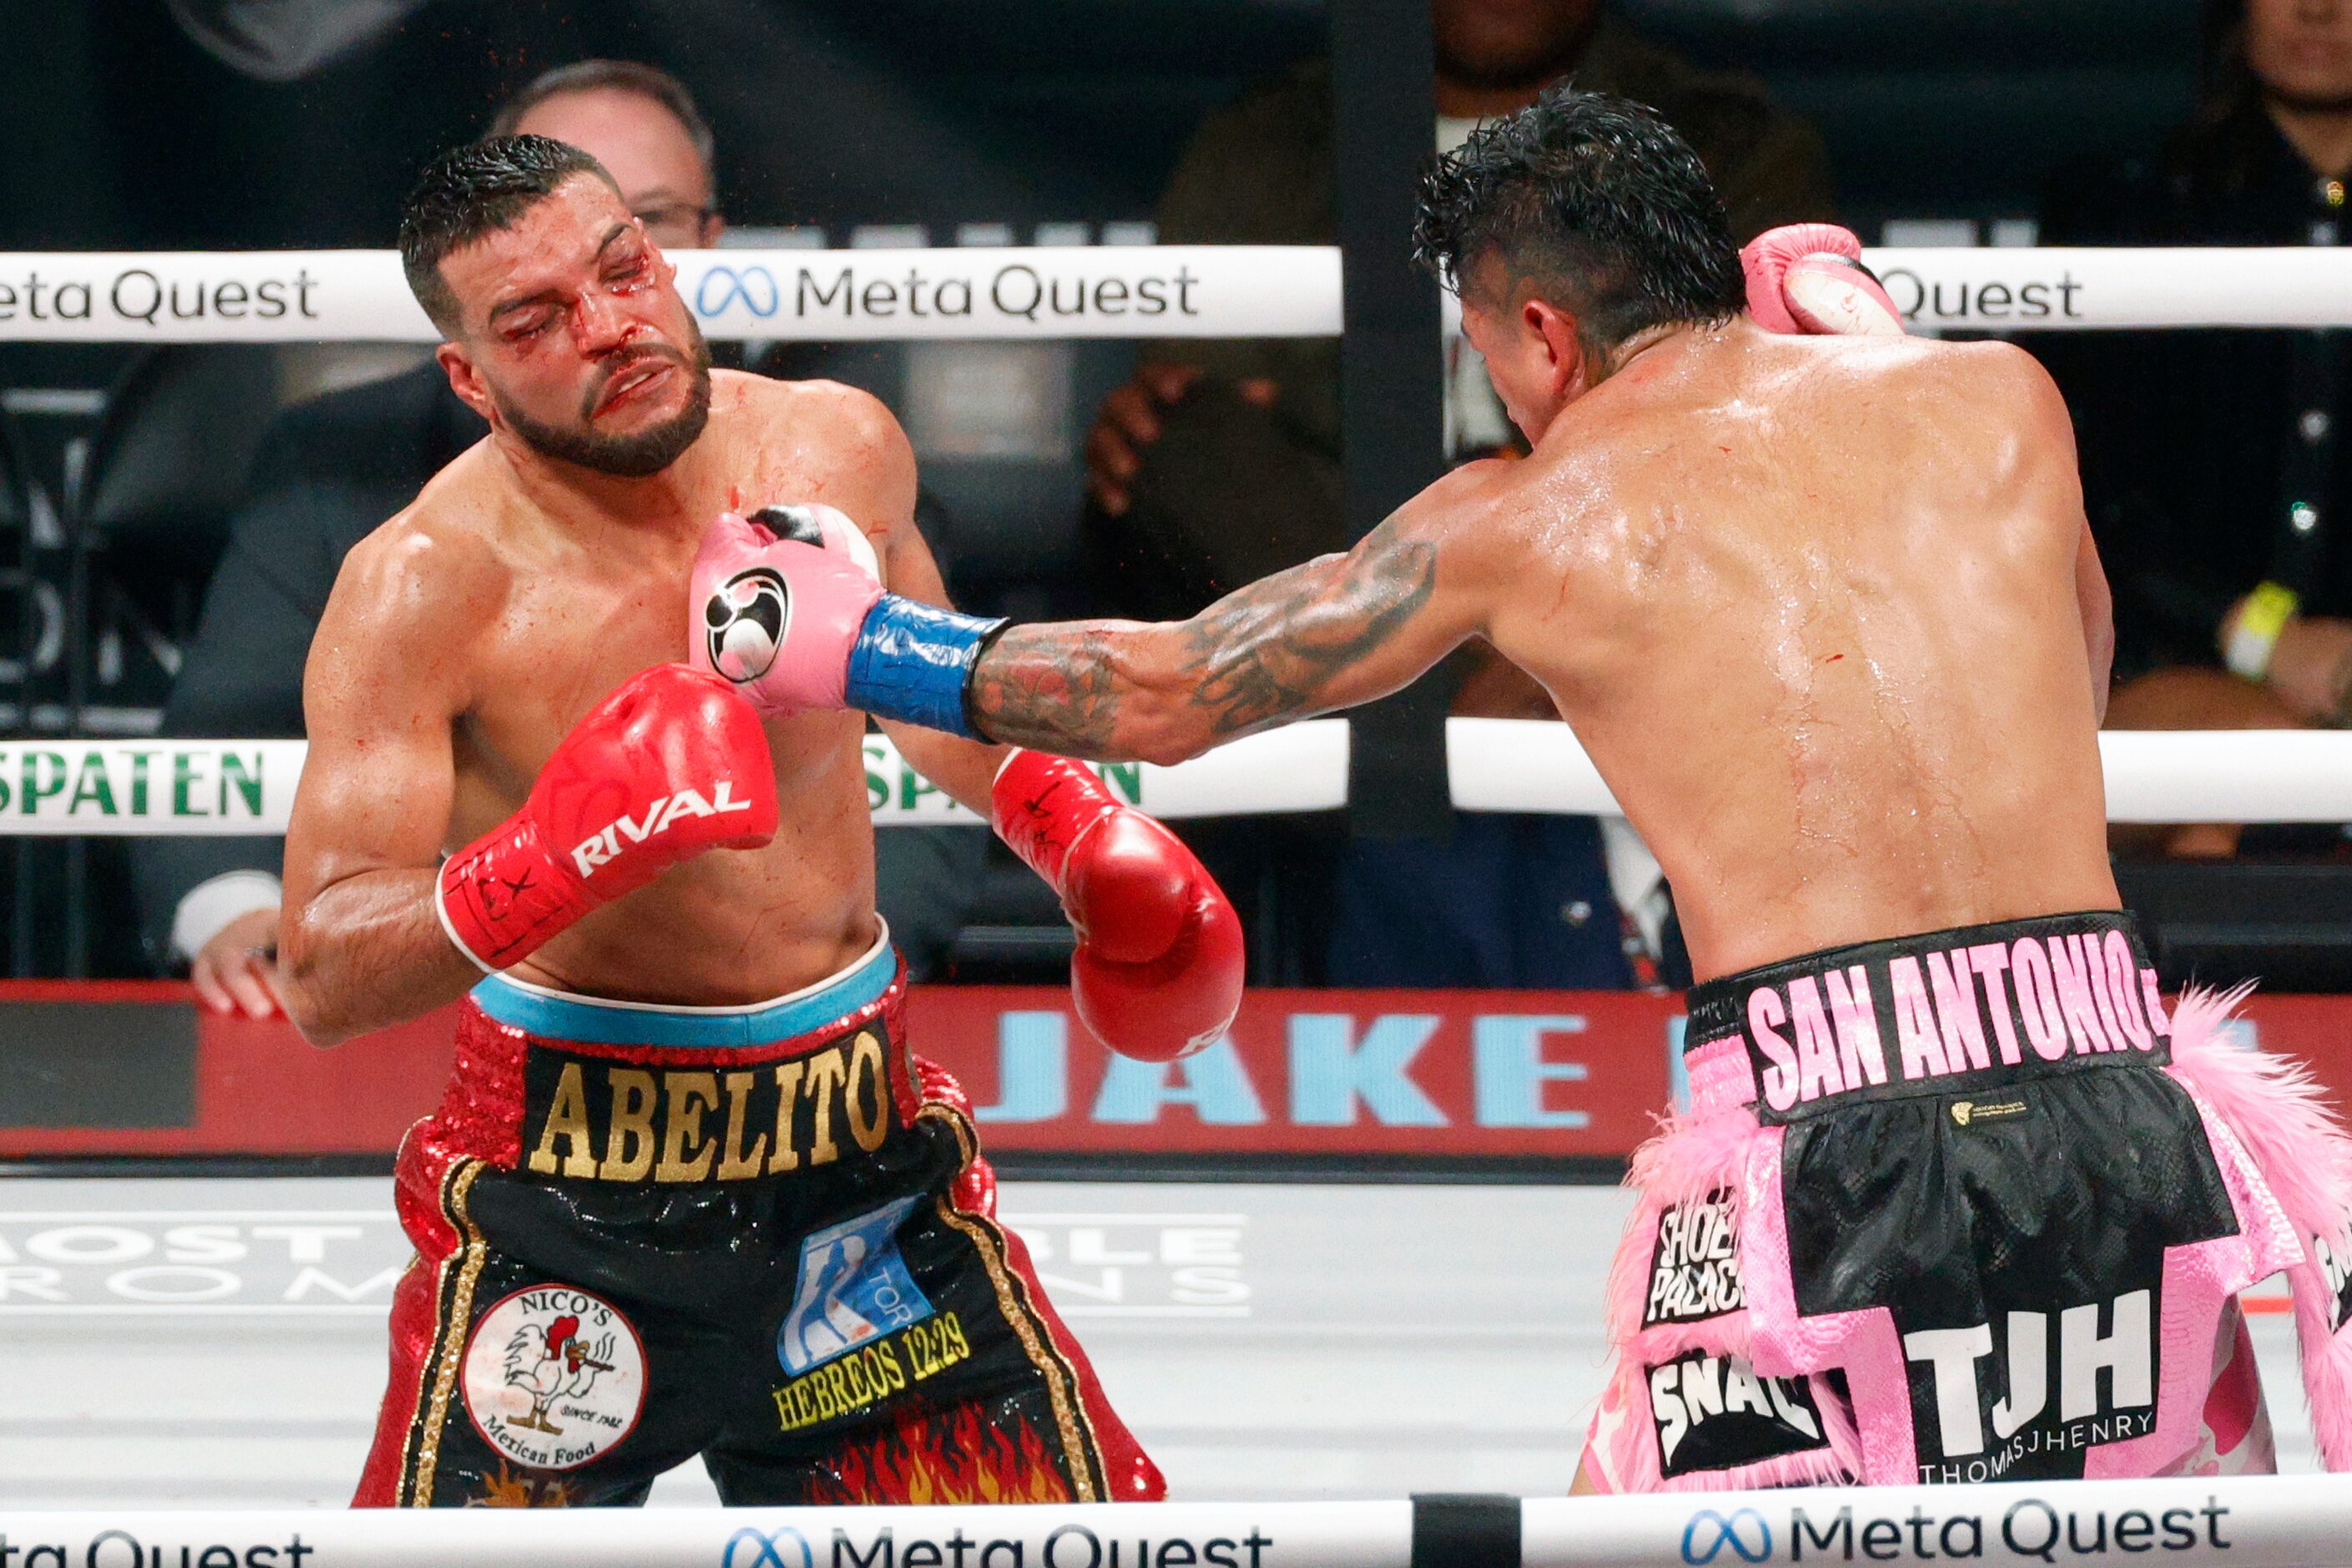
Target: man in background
x,y
1219,463
334,467
2212,460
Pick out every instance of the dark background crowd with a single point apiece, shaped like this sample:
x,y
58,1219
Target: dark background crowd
x,y
178,514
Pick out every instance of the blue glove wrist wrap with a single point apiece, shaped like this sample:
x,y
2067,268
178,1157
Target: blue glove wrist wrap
x,y
912,661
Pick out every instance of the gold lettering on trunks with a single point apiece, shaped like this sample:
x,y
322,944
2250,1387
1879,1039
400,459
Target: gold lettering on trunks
x,y
740,1162
567,1119
787,1094
872,1373
599,1120
868,1078
828,1075
686,1154
631,1127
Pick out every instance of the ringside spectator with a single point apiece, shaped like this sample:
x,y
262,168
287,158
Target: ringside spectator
x,y
2212,460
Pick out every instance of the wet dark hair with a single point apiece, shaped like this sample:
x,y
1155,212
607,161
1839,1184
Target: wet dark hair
x,y
1599,202
474,190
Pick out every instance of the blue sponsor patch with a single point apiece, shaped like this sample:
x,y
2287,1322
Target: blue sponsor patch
x,y
854,1288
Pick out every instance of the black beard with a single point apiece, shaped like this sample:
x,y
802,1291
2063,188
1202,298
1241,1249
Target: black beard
x,y
637,457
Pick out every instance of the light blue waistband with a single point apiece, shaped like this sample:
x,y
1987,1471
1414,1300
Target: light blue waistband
x,y
563,1015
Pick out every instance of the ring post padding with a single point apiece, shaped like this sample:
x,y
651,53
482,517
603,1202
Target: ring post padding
x,y
1465,1530
1096,291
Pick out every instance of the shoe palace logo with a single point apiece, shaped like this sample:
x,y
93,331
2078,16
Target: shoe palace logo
x,y
554,1377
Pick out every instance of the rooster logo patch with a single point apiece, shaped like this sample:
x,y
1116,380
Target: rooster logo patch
x,y
554,1377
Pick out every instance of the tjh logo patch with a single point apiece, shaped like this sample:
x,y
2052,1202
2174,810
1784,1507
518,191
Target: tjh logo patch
x,y
853,1288
554,1377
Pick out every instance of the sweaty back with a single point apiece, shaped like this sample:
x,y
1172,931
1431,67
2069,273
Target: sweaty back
x,y
1810,606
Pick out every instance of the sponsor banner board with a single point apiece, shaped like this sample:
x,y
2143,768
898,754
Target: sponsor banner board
x,y
1389,1074
198,1262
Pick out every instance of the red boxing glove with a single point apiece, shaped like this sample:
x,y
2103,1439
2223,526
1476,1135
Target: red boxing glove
x,y
1158,974
669,766
1809,278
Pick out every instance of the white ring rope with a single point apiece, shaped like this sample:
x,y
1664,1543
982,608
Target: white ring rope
x,y
2185,775
2271,1521
1090,291
1045,292
199,787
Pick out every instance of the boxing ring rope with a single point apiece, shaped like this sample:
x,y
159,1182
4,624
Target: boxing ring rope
x,y
2253,1522
1129,291
1092,292
120,787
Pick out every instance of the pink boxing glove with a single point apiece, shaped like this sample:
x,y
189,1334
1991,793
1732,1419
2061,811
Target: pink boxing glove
x,y
776,619
1808,278
789,608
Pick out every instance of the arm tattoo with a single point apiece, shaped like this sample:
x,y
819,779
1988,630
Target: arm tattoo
x,y
1261,655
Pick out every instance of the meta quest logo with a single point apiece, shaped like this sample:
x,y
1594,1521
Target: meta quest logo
x,y
2030,1527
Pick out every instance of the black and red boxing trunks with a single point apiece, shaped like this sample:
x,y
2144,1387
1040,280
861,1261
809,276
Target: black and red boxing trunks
x,y
1969,1206
763,1235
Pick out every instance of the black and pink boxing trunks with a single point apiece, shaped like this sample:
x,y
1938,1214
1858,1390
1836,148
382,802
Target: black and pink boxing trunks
x,y
1969,1206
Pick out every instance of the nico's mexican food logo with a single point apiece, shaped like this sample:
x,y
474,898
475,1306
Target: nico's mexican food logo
x,y
554,1377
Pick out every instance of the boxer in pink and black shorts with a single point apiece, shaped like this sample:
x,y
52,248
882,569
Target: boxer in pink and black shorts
x,y
1956,1198
1963,1207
